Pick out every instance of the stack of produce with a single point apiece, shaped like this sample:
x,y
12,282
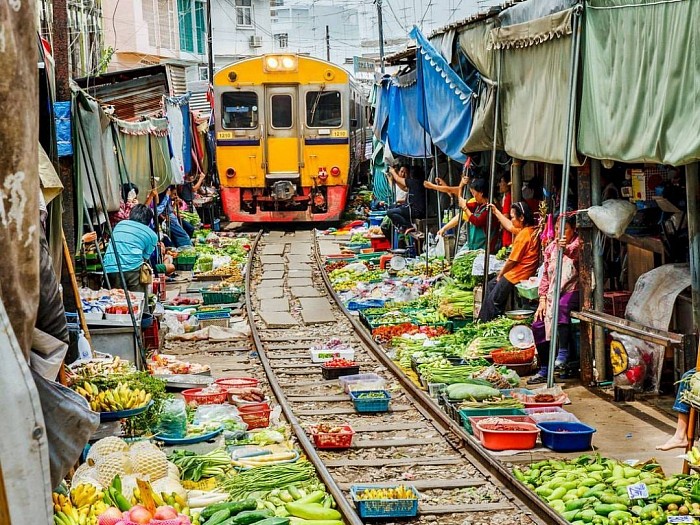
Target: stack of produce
x,y
593,489
454,302
462,270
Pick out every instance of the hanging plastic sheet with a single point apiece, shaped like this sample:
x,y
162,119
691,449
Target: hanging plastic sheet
x,y
535,81
177,110
447,113
401,101
94,140
62,113
640,81
135,137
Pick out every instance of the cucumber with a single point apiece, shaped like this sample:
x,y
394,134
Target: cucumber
x,y
234,507
273,521
251,516
219,517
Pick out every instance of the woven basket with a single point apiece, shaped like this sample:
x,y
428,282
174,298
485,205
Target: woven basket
x,y
513,357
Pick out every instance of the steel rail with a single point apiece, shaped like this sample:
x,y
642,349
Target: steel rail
x,y
344,507
489,467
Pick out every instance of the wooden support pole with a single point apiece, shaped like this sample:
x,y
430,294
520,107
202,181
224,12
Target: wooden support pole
x,y
586,233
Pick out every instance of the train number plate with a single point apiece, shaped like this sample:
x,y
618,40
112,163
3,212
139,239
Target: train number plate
x,y
339,133
224,135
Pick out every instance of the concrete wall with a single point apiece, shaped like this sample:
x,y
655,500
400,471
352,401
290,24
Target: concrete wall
x,y
231,41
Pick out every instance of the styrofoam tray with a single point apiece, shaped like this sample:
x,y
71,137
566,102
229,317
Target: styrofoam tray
x,y
324,355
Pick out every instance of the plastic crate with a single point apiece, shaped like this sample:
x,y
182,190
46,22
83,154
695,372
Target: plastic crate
x,y
334,440
338,371
221,297
213,314
380,244
151,337
362,382
323,355
384,508
475,420
185,263
615,303
466,413
493,438
374,404
542,414
458,323
561,436
195,396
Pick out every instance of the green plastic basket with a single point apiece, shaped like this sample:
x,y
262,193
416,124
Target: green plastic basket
x,y
221,297
466,413
528,293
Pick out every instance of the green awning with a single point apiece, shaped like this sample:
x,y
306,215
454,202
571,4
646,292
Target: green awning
x,y
536,58
641,77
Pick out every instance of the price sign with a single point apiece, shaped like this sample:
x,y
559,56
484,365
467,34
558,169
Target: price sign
x,y
638,491
680,519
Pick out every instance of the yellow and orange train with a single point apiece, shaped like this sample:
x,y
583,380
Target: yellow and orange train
x,y
291,133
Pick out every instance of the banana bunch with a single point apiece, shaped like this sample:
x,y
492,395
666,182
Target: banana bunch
x,y
85,495
114,399
82,507
400,492
693,456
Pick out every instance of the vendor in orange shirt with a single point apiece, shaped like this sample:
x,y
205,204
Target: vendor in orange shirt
x,y
520,266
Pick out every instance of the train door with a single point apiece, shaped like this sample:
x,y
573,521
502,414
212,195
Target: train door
x,y
282,132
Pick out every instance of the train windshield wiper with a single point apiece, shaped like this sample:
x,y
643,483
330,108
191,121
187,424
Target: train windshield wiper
x,y
315,105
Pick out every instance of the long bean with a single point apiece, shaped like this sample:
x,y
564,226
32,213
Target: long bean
x,y
268,478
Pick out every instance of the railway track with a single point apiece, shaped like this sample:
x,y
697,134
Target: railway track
x,y
291,307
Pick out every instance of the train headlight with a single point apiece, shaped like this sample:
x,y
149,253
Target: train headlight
x,y
276,63
335,171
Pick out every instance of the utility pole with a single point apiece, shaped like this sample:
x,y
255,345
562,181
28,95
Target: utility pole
x,y
210,53
328,43
61,51
381,35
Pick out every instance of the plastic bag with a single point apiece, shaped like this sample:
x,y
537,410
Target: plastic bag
x,y
437,247
613,216
635,362
173,418
358,267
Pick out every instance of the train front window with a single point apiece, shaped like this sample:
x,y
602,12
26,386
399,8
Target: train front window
x,y
239,110
323,109
281,111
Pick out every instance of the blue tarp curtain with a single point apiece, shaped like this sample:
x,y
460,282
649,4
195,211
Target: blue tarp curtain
x,y
447,117
410,121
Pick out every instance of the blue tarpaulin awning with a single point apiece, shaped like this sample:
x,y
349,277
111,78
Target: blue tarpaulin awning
x,y
431,105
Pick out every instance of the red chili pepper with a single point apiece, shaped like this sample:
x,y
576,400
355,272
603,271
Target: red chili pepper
x,y
339,363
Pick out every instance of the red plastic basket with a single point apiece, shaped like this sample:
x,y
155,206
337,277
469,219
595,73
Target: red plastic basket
x,y
513,357
334,440
234,385
255,415
494,437
194,396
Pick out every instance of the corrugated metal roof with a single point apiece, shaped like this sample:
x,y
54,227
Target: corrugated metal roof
x,y
177,79
133,93
198,100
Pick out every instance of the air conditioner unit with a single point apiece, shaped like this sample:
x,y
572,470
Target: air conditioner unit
x,y
256,41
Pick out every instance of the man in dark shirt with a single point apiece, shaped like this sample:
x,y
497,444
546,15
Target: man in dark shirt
x,y
402,217
188,191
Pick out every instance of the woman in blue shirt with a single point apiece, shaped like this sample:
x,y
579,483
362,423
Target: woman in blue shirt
x,y
134,241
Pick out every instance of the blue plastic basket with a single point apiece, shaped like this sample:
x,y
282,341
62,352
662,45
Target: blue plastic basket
x,y
384,508
373,404
563,436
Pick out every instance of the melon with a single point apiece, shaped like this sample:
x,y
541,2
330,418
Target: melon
x,y
104,447
149,461
111,465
